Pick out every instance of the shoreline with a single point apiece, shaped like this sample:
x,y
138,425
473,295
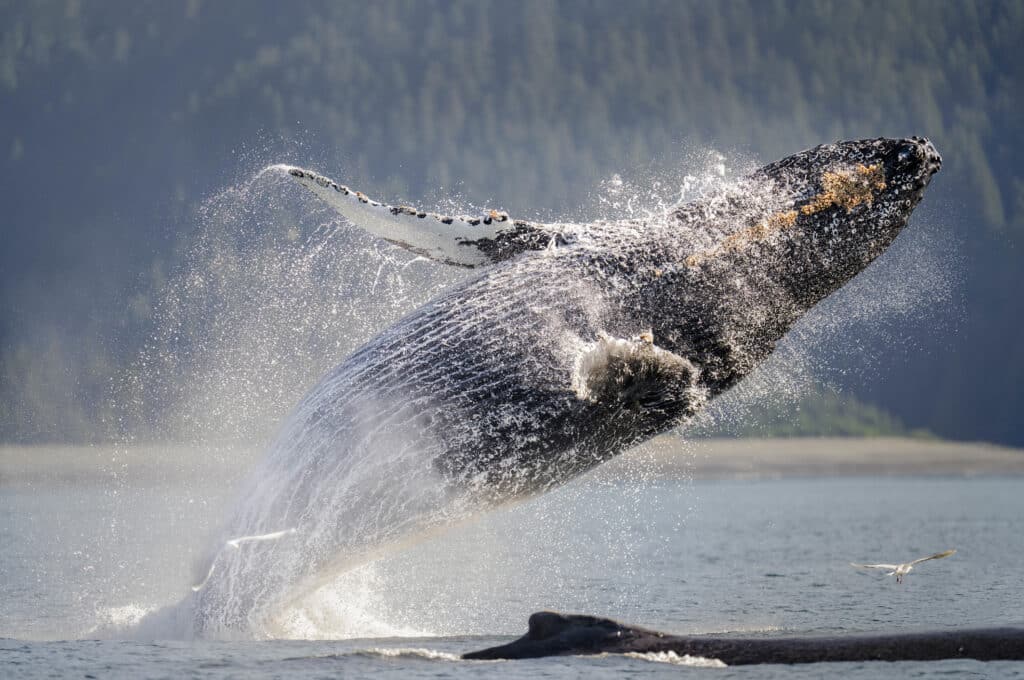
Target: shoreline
x,y
666,457
813,457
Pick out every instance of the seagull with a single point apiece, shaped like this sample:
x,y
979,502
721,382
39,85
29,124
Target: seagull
x,y
235,543
901,570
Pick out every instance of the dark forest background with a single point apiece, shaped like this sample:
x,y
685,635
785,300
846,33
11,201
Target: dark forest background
x,y
118,117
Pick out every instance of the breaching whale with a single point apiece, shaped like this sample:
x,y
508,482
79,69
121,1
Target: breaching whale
x,y
572,343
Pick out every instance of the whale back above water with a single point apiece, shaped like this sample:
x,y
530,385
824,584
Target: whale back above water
x,y
572,343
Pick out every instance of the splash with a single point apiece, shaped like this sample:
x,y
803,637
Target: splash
x,y
348,607
272,292
848,338
113,622
676,660
410,652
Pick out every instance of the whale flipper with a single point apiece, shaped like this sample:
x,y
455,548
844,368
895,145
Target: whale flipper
x,y
461,241
636,374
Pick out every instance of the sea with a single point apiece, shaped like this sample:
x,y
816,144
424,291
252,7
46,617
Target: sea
x,y
83,558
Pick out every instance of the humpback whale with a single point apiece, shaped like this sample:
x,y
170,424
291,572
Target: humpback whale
x,y
554,634
568,344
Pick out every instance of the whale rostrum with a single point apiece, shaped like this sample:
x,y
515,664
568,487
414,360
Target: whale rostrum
x,y
569,344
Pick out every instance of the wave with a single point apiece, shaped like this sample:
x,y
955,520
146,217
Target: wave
x,y
676,659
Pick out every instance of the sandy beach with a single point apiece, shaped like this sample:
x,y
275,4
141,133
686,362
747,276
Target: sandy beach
x,y
822,457
664,457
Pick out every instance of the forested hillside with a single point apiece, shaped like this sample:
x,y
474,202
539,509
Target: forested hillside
x,y
120,117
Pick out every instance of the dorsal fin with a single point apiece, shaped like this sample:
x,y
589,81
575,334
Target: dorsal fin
x,y
461,241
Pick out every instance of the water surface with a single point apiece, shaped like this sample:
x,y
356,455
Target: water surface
x,y
82,560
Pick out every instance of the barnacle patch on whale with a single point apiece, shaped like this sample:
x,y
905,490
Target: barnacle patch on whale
x,y
847,188
844,188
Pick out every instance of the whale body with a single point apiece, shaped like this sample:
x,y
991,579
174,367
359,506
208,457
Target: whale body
x,y
573,343
554,634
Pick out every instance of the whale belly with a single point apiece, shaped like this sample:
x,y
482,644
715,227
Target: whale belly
x,y
465,404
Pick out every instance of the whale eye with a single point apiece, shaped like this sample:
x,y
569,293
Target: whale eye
x,y
906,153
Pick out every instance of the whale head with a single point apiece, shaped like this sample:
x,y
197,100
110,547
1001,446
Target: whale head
x,y
849,202
783,239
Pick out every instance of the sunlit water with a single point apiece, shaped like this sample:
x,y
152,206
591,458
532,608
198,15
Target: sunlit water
x,y
763,558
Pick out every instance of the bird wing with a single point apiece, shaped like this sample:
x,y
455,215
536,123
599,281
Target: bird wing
x,y
892,567
461,241
936,556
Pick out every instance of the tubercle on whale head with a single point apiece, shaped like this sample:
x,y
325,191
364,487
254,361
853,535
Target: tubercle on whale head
x,y
864,183
855,193
851,200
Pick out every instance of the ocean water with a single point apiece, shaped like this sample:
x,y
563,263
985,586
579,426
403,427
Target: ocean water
x,y
82,559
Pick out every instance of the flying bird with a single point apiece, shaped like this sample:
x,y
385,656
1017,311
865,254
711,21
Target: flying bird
x,y
901,570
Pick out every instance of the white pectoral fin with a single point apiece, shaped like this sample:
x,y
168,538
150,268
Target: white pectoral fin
x,y
636,373
461,241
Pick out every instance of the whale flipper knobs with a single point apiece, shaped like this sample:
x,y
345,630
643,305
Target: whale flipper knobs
x,y
457,240
568,345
